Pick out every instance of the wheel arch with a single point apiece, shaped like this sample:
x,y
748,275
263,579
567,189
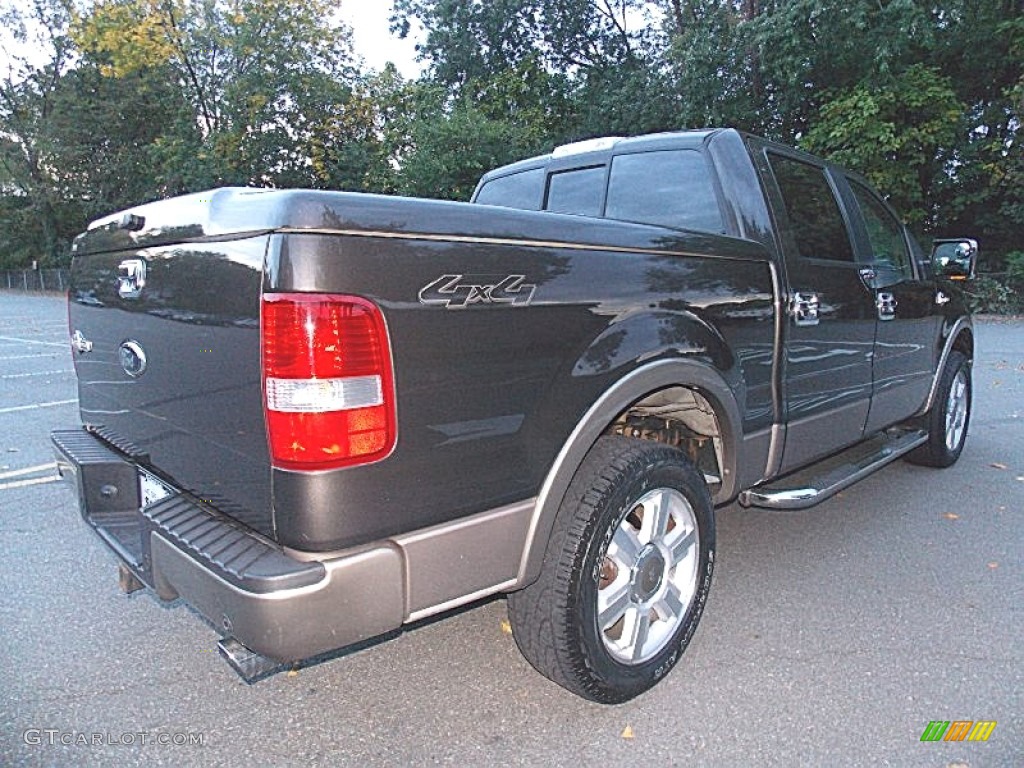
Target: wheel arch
x,y
964,341
957,335
639,384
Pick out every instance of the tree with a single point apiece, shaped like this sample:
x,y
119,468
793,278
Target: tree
x,y
711,69
27,95
921,97
263,78
900,133
984,56
515,77
442,143
145,98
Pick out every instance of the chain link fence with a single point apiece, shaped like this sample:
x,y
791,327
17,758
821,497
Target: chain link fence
x,y
34,280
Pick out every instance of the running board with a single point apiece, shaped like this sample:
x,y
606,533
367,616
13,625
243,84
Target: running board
x,y
823,480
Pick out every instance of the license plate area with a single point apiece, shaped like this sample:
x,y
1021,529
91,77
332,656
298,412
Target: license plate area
x,y
152,489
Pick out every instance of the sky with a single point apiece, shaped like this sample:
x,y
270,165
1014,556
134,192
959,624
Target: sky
x,y
373,41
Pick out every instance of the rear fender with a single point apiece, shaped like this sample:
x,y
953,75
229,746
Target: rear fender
x,y
651,335
634,386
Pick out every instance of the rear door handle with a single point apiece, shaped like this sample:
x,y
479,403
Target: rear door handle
x,y
804,308
886,306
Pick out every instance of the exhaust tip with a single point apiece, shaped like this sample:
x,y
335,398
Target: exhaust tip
x,y
250,665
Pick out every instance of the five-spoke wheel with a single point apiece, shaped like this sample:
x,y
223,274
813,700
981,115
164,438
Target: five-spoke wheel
x,y
626,573
648,576
950,415
957,405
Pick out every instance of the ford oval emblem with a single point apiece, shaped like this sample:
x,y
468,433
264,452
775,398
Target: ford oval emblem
x,y
133,359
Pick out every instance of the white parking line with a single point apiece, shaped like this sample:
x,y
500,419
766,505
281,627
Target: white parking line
x,y
27,471
51,476
32,481
40,356
31,341
34,406
37,373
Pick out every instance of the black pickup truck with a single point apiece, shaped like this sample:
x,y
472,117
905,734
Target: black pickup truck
x,y
317,417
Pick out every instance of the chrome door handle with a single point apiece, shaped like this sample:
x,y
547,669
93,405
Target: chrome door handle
x,y
942,299
804,308
886,306
131,278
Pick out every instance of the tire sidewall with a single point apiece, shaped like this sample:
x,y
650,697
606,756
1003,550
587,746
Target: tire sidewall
x,y
937,429
628,680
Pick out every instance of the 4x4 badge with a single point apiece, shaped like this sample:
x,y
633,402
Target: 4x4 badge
x,y
461,291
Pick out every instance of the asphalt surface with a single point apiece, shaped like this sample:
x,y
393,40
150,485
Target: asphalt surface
x,y
831,637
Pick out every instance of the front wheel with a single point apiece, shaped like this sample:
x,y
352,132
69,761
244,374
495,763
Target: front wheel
x,y
626,573
949,417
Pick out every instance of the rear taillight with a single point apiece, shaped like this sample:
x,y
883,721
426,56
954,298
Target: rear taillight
x,y
328,385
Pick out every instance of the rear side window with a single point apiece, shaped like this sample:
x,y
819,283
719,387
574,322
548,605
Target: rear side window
x,y
814,215
668,188
517,190
578,191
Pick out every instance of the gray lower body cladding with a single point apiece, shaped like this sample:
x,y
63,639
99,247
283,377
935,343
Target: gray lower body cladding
x,y
283,604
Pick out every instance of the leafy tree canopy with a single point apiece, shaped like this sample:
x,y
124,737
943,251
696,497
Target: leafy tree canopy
x,y
128,100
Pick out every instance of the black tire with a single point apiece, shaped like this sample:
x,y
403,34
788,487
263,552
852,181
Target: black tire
x,y
944,448
555,619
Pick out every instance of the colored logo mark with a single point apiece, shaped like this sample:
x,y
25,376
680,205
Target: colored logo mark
x,y
958,730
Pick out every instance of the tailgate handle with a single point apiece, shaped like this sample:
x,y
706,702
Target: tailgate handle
x,y
131,278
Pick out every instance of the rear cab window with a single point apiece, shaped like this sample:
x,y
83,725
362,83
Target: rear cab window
x,y
672,188
579,191
516,190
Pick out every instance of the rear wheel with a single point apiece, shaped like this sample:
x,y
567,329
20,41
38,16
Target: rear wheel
x,y
949,417
626,573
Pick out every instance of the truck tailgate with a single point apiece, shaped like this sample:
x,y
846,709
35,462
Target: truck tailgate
x,y
167,351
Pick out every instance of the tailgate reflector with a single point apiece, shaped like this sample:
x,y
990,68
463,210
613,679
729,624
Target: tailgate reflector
x,y
327,381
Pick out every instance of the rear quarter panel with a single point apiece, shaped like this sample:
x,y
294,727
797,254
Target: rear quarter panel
x,y
487,392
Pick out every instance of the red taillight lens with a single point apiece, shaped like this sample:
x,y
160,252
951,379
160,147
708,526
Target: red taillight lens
x,y
327,381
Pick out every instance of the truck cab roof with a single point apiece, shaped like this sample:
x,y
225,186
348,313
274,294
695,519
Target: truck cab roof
x,y
599,149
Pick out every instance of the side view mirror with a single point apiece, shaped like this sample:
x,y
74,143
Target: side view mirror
x,y
955,258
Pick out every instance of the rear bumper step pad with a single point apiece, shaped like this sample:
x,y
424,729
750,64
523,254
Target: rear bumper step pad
x,y
226,548
274,605
108,486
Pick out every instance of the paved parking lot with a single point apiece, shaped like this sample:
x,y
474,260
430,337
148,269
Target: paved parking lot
x,y
832,636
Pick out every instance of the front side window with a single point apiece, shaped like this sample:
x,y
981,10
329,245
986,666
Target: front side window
x,y
814,214
668,188
578,191
888,246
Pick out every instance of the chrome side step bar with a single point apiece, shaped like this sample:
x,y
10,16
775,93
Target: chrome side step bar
x,y
825,479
